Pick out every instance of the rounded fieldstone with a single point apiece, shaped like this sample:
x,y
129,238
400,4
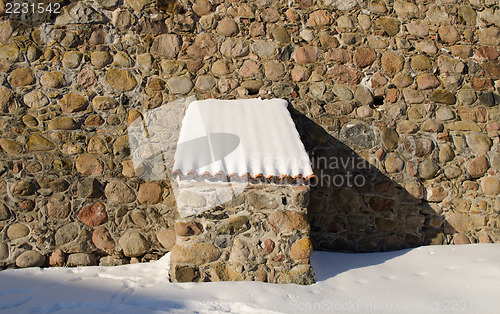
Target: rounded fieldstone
x,y
4,212
194,253
202,7
392,62
121,80
301,74
72,59
445,113
419,147
93,215
205,45
103,240
89,165
250,68
166,46
180,85
21,77
149,193
306,54
389,138
30,259
133,243
393,163
17,230
446,153
364,57
240,251
288,221
67,233
167,238
10,146
389,25
234,48
81,259
363,96
478,166
274,70
480,143
58,209
427,169
72,103
100,59
491,185
227,27
466,97
62,123
22,188
432,126
443,96
119,192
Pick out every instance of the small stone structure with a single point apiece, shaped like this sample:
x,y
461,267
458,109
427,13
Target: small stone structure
x,y
241,176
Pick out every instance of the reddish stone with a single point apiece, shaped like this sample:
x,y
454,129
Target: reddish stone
x,y
343,74
268,246
188,228
27,205
481,83
378,80
427,81
204,44
288,221
364,57
93,215
488,53
392,95
306,54
57,258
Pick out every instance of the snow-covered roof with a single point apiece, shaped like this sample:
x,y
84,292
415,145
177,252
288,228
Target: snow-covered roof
x,y
244,137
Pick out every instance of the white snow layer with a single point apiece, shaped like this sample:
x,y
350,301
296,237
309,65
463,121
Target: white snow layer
x,y
433,279
241,136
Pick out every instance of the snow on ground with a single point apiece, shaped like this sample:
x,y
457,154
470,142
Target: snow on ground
x,y
434,279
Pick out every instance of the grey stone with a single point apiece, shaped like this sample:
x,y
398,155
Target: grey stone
x,y
342,91
4,251
180,85
133,243
81,259
479,143
30,259
79,13
444,114
358,135
205,82
427,169
67,233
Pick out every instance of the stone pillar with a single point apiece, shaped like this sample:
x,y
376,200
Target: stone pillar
x,y
261,234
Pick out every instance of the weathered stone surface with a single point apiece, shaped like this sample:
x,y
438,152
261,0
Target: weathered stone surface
x,y
103,240
479,143
491,185
343,74
57,208
392,62
166,46
194,253
427,81
306,54
319,18
234,225
301,249
418,147
30,259
227,27
17,230
21,77
443,96
10,146
166,238
478,166
120,80
288,221
364,57
133,243
100,59
89,165
205,44
22,188
149,193
389,139
118,191
93,215
72,103
234,48
240,251
427,169
180,85
389,25
62,123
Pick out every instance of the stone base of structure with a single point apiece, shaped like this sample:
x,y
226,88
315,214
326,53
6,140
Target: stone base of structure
x,y
262,234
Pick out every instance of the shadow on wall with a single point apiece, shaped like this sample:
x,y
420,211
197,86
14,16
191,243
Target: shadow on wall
x,y
354,207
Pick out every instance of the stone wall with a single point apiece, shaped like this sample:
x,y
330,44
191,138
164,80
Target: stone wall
x,y
262,234
410,86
